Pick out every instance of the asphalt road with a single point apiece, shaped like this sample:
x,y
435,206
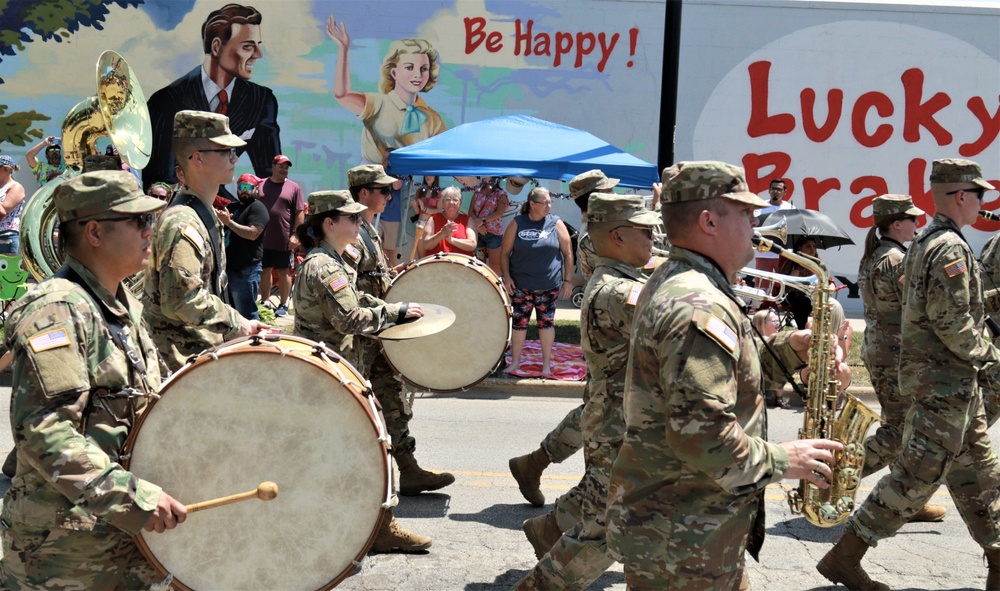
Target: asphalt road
x,y
475,523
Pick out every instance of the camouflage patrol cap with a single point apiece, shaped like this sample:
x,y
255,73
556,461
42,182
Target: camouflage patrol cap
x,y
894,205
590,181
102,191
609,207
957,170
692,181
204,125
368,174
339,201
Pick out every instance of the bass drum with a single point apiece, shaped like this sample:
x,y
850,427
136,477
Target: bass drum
x,y
470,349
282,409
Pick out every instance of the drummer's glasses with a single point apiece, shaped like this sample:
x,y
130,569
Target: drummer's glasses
x,y
354,217
143,221
979,191
644,229
383,190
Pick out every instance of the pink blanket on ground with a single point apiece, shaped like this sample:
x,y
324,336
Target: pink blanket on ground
x,y
567,362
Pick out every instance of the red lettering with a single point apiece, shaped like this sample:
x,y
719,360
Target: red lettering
x,y
564,43
883,106
779,162
474,33
815,189
919,114
607,47
543,44
877,186
917,173
522,37
585,43
835,105
761,123
494,42
991,128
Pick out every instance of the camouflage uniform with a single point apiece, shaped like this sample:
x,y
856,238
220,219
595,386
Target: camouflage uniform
x,y
69,516
944,346
990,265
880,280
329,308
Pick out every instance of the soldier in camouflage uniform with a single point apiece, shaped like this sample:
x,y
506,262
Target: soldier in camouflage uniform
x,y
622,231
370,187
330,309
184,286
989,260
880,281
84,367
687,486
944,346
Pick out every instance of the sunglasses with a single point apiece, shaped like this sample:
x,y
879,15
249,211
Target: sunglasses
x,y
244,187
383,190
143,221
231,151
979,191
354,217
645,230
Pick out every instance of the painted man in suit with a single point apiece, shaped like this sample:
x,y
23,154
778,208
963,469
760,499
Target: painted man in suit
x,y
232,42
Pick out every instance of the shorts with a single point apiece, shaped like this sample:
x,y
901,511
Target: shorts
x,y
276,259
490,241
543,301
10,242
390,235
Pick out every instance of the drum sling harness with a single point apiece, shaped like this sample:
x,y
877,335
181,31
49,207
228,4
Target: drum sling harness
x,y
218,284
370,245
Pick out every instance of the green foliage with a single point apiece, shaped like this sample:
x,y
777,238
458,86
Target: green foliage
x,y
567,331
16,128
266,314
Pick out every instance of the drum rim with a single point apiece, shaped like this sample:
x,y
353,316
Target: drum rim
x,y
230,348
456,258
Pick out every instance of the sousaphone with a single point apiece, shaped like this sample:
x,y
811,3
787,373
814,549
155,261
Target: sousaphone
x,y
119,112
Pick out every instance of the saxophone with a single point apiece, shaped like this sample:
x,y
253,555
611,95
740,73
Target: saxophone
x,y
831,506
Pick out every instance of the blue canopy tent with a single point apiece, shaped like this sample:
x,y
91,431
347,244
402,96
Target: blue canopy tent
x,y
519,145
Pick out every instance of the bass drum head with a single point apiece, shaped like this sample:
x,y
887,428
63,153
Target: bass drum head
x,y
469,350
226,424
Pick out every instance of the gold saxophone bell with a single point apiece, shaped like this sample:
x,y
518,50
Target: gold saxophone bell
x,y
118,111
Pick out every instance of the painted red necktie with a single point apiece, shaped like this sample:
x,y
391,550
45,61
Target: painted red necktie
x,y
223,107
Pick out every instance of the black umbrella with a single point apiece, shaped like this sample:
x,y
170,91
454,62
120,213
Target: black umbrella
x,y
806,222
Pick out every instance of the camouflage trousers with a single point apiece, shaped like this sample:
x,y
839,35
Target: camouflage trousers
x,y
581,554
38,558
925,462
884,445
561,443
389,392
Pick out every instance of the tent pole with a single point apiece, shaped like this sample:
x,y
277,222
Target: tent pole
x,y
668,83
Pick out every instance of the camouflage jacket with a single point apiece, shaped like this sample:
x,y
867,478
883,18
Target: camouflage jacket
x,y
372,268
328,306
944,339
880,281
989,259
586,255
695,443
605,328
182,313
69,413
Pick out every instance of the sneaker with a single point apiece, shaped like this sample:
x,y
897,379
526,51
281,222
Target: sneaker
x,y
281,310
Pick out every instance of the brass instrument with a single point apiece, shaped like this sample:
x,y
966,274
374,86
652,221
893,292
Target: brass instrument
x,y
118,111
831,506
804,284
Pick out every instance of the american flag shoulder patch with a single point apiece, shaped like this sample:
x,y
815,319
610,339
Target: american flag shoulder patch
x,y
194,237
352,252
52,339
651,263
902,279
721,332
338,283
955,269
633,294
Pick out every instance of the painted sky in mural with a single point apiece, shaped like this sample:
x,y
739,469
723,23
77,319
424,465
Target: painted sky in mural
x,y
591,64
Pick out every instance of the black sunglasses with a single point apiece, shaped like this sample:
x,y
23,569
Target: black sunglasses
x,y
232,152
143,221
354,217
979,191
383,190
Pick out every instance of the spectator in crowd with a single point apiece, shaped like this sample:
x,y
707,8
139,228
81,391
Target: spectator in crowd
x,y
329,308
448,231
286,205
52,166
536,262
11,205
389,219
799,302
427,201
160,190
769,261
767,323
486,211
246,220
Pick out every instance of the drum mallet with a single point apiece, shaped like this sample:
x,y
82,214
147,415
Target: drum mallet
x,y
265,492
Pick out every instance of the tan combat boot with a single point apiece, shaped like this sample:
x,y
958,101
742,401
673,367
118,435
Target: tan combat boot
x,y
993,570
842,564
414,480
527,471
391,537
929,514
543,532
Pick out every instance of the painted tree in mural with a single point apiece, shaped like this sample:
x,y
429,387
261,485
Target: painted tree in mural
x,y
48,20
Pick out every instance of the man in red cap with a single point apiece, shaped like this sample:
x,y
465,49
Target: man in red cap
x,y
286,204
245,220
